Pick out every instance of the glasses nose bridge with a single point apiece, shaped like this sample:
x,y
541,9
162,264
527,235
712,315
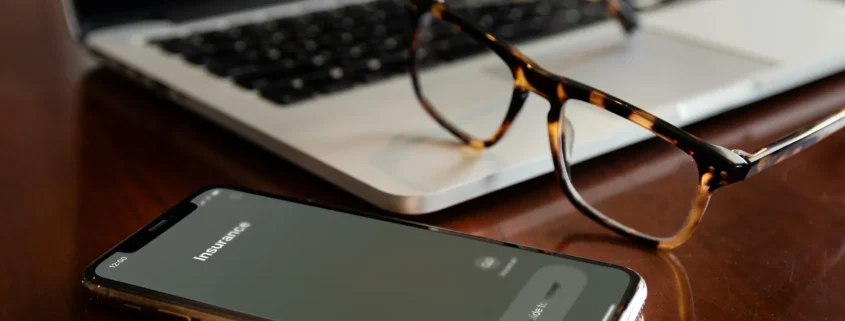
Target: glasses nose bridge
x,y
532,78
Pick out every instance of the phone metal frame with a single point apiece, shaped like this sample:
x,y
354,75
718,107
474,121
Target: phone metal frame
x,y
147,300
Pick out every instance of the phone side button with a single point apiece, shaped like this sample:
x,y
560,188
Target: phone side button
x,y
175,315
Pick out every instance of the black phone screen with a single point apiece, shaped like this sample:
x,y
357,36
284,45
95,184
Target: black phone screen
x,y
282,260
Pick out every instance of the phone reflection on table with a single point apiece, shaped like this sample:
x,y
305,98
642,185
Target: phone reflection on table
x,y
657,268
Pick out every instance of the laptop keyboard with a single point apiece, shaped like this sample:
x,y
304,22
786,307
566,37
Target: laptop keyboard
x,y
292,59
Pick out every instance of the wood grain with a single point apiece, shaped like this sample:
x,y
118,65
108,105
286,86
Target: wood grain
x,y
87,157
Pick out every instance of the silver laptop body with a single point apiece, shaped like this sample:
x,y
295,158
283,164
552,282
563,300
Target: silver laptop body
x,y
688,61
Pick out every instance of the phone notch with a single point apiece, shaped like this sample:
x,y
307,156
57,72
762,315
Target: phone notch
x,y
155,228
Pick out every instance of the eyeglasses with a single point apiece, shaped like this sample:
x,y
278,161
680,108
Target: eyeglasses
x,y
576,107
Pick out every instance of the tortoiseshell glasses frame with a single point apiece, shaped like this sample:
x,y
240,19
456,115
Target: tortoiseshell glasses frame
x,y
717,166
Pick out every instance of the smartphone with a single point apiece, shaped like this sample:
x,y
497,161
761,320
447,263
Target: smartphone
x,y
230,254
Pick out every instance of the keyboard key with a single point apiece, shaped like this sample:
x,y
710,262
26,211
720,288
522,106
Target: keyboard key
x,y
358,51
249,78
227,66
397,63
239,66
288,90
321,77
365,70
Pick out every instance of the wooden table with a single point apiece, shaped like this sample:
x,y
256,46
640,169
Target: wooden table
x,y
87,157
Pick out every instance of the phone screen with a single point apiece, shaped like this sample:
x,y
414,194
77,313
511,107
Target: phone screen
x,y
282,260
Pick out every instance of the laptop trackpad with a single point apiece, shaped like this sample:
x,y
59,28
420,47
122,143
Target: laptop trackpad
x,y
649,69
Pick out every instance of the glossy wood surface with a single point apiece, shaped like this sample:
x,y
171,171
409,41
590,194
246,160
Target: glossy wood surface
x,y
87,157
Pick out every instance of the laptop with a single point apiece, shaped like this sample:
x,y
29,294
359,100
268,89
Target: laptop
x,y
363,129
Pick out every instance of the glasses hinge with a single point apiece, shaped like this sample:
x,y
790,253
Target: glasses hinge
x,y
740,152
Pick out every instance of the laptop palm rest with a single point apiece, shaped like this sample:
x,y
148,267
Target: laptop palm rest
x,y
651,69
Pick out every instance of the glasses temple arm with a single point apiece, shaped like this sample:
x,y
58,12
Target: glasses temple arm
x,y
791,144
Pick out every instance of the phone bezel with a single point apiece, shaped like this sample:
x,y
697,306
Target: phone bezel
x,y
102,286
